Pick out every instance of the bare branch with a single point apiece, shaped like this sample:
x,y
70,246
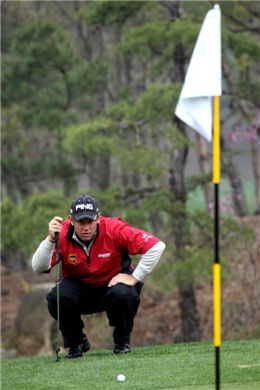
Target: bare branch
x,y
173,7
132,195
245,26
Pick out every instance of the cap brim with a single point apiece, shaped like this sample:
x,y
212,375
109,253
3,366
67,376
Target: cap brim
x,y
81,216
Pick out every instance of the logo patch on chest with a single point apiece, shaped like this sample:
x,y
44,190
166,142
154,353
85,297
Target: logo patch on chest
x,y
72,258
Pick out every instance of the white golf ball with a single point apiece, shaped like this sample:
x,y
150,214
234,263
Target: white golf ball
x,y
121,378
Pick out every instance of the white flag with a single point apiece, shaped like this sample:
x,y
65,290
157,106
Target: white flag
x,y
203,78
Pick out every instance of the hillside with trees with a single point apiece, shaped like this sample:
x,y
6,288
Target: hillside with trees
x,y
89,90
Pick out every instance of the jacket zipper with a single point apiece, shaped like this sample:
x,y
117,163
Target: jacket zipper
x,y
86,249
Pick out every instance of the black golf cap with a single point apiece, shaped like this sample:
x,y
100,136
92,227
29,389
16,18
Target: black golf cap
x,y
84,207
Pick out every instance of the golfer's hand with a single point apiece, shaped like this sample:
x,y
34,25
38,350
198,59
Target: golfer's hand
x,y
54,227
129,280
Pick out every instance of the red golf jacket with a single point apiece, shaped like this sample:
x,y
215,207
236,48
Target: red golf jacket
x,y
108,255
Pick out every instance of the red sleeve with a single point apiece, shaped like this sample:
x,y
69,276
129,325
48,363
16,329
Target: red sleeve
x,y
137,241
62,237
53,259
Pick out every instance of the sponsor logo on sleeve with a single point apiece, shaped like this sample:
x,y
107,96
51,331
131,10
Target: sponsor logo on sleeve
x,y
146,237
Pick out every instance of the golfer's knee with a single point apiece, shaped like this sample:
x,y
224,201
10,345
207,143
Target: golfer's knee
x,y
65,299
124,294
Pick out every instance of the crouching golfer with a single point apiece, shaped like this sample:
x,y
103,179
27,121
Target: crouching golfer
x,y
97,272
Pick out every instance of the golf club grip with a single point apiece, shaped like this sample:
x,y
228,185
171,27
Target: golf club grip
x,y
57,246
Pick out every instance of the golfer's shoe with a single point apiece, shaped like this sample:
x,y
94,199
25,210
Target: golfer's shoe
x,y
85,344
74,352
124,348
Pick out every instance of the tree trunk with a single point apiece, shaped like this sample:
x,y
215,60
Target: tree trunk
x,y
103,172
256,171
232,173
100,164
190,322
187,299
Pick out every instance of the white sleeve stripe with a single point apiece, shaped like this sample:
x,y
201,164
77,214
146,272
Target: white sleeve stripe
x,y
41,260
149,260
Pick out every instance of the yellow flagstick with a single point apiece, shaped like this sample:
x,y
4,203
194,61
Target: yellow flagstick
x,y
216,265
194,108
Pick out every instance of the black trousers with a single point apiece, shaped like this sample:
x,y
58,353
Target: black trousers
x,y
120,302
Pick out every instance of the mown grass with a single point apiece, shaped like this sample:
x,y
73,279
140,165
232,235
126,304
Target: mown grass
x,y
179,366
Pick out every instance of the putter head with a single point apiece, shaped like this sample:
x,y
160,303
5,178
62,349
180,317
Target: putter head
x,y
57,356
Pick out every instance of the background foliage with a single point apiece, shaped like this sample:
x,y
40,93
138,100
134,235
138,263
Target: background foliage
x,y
89,92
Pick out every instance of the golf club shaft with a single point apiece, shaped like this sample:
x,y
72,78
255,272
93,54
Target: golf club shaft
x,y
58,295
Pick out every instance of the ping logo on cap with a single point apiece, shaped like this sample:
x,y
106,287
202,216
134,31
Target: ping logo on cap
x,y
83,206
